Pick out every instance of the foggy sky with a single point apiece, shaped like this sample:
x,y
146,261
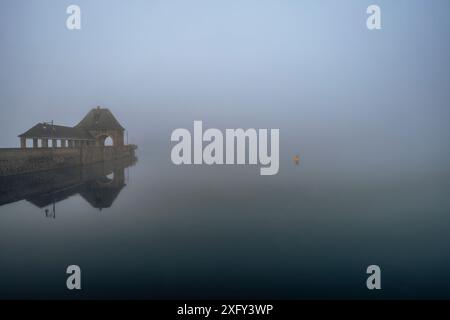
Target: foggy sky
x,y
341,95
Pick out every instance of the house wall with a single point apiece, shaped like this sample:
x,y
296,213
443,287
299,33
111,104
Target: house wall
x,y
16,161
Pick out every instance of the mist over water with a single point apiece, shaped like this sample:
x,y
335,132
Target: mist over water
x,y
366,111
184,232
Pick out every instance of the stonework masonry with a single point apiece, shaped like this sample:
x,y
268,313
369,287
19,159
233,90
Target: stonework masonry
x,y
18,160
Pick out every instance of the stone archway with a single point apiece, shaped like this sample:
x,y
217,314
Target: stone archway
x,y
109,142
105,140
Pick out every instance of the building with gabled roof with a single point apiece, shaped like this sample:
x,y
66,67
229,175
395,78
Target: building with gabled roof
x,y
92,130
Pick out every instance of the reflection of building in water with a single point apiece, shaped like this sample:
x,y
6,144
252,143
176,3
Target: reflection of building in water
x,y
102,192
98,184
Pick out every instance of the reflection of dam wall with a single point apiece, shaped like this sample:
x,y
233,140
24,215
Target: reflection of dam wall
x,y
46,187
18,161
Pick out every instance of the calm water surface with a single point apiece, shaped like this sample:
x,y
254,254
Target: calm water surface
x,y
155,230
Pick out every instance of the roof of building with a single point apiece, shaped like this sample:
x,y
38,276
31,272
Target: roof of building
x,y
48,130
96,119
100,119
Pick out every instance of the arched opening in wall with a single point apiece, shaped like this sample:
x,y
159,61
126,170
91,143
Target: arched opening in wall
x,y
105,141
108,142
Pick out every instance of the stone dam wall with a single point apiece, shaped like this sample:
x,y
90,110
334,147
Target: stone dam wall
x,y
17,161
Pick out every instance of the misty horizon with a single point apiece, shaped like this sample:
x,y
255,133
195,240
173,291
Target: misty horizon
x,y
363,168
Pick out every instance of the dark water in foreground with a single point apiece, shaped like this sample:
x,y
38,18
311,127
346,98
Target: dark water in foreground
x,y
154,230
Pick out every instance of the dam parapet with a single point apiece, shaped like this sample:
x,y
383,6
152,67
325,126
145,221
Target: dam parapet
x,y
15,161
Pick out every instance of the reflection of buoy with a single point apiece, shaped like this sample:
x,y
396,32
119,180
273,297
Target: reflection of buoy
x,y
296,159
